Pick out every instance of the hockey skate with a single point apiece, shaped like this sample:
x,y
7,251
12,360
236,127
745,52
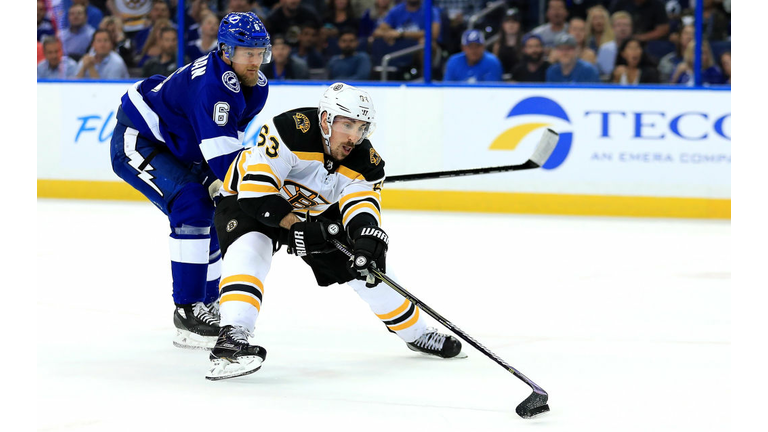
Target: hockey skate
x,y
233,356
437,344
196,326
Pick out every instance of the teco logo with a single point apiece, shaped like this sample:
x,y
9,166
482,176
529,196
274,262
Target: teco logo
x,y
535,107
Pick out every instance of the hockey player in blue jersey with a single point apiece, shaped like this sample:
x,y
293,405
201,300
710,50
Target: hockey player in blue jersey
x,y
175,139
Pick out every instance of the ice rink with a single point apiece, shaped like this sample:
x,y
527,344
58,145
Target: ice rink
x,y
625,322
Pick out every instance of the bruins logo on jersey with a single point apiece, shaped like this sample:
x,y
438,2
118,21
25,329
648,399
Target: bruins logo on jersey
x,y
301,197
302,122
375,158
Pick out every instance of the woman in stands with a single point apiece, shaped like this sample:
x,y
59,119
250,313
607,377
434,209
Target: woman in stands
x,y
633,65
710,73
599,30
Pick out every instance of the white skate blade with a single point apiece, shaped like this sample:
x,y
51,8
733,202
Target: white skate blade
x,y
188,340
222,368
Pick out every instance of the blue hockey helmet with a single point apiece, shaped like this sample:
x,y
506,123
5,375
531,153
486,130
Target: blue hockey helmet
x,y
243,29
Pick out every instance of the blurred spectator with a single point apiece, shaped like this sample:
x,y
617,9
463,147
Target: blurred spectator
x,y
101,62
599,29
569,68
715,23
350,64
474,63
360,6
55,66
406,21
123,45
633,66
40,54
725,61
338,15
284,66
288,18
621,23
245,6
208,41
44,25
159,12
669,62
133,13
93,13
577,28
507,48
649,18
165,63
580,8
76,39
373,17
710,73
533,67
555,26
458,13
152,46
196,12
306,48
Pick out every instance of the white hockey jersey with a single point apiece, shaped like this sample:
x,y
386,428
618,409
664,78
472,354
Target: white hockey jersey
x,y
289,160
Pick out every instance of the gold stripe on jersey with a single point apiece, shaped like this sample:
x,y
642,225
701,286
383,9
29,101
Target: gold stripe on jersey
x,y
263,169
241,278
395,312
243,288
241,298
310,156
408,323
363,207
359,195
233,172
258,188
349,173
406,315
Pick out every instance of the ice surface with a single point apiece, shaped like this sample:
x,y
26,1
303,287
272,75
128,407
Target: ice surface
x,y
624,322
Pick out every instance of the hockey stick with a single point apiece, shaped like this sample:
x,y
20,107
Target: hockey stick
x,y
543,150
533,405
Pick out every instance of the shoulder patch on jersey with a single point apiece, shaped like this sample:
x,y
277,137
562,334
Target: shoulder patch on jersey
x,y
231,81
262,80
302,122
375,158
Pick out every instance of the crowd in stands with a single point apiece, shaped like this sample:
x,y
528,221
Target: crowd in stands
x,y
626,42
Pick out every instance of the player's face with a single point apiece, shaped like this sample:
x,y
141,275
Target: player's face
x,y
246,63
345,134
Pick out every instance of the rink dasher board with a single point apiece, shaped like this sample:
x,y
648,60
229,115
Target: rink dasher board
x,y
658,152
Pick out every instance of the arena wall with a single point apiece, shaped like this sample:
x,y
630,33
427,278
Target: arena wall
x,y
652,151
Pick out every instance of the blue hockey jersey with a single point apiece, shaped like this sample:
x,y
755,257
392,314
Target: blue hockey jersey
x,y
200,112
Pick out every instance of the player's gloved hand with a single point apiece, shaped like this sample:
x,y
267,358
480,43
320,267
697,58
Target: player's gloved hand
x,y
369,250
312,237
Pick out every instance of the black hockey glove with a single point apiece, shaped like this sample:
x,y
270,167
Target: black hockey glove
x,y
312,237
370,250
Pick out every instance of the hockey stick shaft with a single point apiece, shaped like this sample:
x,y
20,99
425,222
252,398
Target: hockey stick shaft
x,y
543,150
431,312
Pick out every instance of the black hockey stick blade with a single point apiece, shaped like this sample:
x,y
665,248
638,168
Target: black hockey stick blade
x,y
533,405
543,151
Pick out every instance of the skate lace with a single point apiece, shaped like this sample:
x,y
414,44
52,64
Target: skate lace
x,y
239,334
213,309
203,314
431,340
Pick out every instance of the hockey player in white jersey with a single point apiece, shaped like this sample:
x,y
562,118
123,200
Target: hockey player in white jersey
x,y
175,138
314,176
